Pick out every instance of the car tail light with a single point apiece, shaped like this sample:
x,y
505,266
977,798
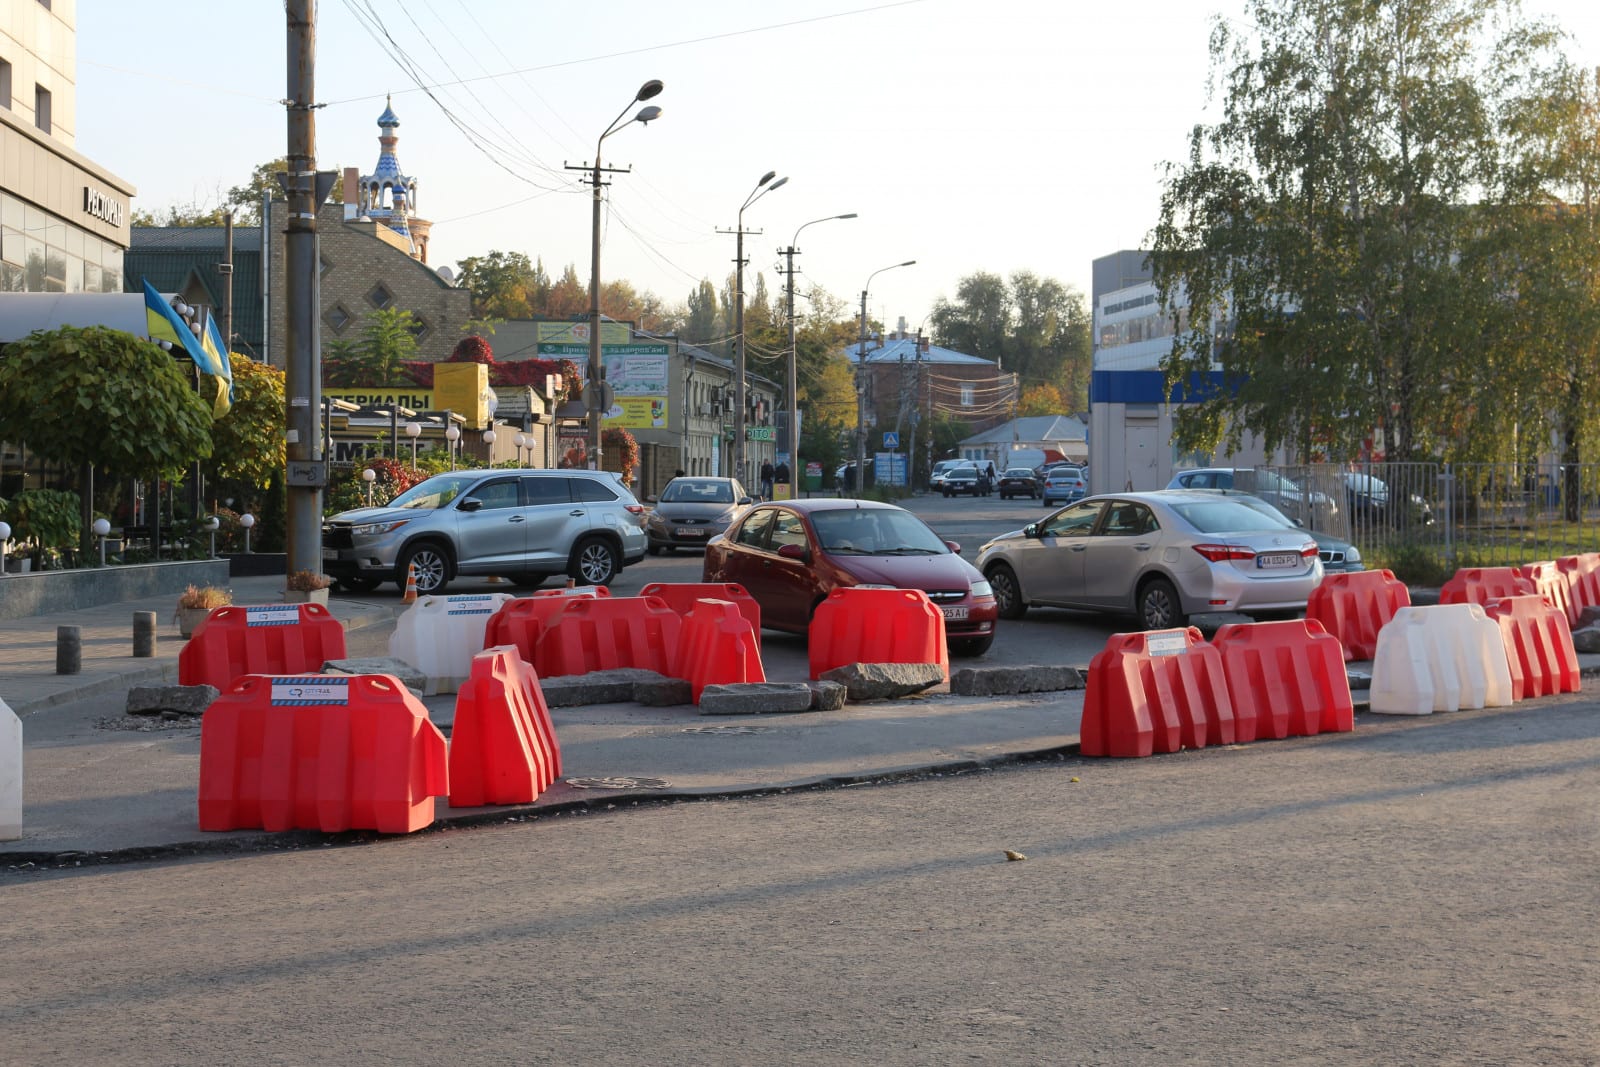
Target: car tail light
x,y
1221,553
1310,551
634,509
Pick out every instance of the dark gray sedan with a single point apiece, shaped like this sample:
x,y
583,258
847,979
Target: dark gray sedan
x,y
691,511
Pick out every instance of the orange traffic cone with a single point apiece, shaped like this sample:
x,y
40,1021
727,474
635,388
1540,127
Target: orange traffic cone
x,y
411,585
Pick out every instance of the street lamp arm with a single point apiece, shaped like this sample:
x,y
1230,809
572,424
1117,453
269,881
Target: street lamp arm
x,y
796,238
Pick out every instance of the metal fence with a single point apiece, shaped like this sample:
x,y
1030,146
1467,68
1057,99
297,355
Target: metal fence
x,y
1465,514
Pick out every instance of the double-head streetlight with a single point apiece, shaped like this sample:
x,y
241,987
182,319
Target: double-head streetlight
x,y
861,381
740,402
595,395
795,470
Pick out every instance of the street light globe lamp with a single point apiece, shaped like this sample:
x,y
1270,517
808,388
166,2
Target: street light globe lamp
x,y
369,476
247,520
413,431
595,397
452,434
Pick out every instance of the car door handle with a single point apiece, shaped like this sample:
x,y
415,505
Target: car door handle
x,y
1077,548
518,518
1143,546
575,512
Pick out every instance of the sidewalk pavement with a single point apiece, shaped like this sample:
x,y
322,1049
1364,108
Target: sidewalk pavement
x,y
102,787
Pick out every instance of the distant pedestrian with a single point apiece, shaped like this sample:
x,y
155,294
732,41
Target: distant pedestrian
x,y
850,479
781,475
766,480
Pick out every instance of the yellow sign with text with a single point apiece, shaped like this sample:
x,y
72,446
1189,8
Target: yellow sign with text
x,y
639,413
413,398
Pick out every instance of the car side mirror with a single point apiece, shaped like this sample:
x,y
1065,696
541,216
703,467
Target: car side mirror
x,y
746,500
794,552
1031,530
470,503
953,546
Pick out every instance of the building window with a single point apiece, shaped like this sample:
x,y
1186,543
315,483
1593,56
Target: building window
x,y
41,108
337,318
5,84
419,327
966,394
380,297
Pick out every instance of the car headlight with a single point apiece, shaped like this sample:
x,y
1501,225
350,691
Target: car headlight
x,y
1352,554
982,589
371,529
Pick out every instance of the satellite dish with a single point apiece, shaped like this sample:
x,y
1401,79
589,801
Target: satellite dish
x,y
447,274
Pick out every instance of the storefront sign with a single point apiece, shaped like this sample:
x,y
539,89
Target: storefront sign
x,y
105,208
416,400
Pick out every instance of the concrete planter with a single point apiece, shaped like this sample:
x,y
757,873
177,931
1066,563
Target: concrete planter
x,y
306,596
23,596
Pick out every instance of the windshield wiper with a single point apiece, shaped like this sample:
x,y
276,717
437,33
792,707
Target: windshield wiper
x,y
850,550
910,552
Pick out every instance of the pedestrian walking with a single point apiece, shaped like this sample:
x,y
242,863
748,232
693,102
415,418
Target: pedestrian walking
x,y
766,480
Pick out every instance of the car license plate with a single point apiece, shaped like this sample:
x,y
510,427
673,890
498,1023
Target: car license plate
x,y
330,553
955,612
688,531
1278,560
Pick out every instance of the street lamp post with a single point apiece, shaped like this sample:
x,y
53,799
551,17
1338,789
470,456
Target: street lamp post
x,y
795,470
413,431
369,476
451,435
861,381
741,412
596,403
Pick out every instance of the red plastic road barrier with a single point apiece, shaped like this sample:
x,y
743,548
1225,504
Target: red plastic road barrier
x,y
717,646
1554,585
1155,692
503,745
1479,585
319,752
871,625
1538,646
260,639
521,622
681,597
1286,679
1354,605
1583,577
604,633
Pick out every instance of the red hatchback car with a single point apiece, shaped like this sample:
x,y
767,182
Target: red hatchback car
x,y
790,555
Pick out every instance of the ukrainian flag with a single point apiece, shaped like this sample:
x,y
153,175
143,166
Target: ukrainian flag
x,y
208,351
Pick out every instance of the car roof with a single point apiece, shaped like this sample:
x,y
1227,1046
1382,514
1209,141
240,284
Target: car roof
x,y
830,503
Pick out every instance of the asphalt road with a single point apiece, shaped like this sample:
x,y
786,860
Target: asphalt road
x,y
1419,892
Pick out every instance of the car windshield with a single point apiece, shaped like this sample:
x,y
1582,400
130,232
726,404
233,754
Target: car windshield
x,y
435,492
875,532
697,491
1225,516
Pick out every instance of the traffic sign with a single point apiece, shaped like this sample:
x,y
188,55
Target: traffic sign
x,y
891,440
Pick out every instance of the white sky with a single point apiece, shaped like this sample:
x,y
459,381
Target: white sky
x,y
996,135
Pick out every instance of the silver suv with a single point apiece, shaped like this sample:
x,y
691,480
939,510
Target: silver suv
x,y
525,525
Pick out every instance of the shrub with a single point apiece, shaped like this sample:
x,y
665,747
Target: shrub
x,y
308,581
204,596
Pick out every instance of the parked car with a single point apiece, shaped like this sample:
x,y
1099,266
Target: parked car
x,y
1018,481
942,468
1160,557
691,511
1063,485
1310,507
525,525
1337,553
1371,502
967,480
790,555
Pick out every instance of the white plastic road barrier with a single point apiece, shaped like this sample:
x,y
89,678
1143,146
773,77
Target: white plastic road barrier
x,y
10,774
1441,658
439,635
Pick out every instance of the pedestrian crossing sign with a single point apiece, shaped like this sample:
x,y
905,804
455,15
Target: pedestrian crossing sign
x,y
891,440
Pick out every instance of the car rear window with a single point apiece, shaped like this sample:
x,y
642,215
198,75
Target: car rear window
x,y
590,491
1224,516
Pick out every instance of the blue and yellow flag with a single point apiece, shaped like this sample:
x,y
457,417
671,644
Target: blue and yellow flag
x,y
208,351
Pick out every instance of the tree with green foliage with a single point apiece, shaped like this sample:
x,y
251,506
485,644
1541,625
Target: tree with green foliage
x,y
504,285
375,357
105,398
247,444
1317,233
1037,328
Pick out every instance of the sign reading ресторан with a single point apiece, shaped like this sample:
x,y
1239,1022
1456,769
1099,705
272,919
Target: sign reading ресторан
x,y
107,209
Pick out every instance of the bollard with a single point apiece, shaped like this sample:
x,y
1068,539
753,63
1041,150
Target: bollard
x,y
144,634
69,650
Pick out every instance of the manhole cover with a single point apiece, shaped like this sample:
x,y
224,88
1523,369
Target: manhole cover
x,y
730,729
617,783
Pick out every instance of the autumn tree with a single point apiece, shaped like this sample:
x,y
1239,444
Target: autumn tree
x,y
1035,327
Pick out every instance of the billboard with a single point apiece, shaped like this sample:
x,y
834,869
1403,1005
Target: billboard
x,y
637,374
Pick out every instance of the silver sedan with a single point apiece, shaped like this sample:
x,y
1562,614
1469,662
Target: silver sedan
x,y
1160,557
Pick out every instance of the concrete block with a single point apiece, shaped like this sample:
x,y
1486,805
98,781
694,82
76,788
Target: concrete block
x,y
827,696
405,673
596,687
176,699
884,681
1587,639
10,774
991,681
755,698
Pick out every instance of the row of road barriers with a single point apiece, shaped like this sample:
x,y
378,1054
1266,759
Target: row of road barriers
x,y
1498,636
